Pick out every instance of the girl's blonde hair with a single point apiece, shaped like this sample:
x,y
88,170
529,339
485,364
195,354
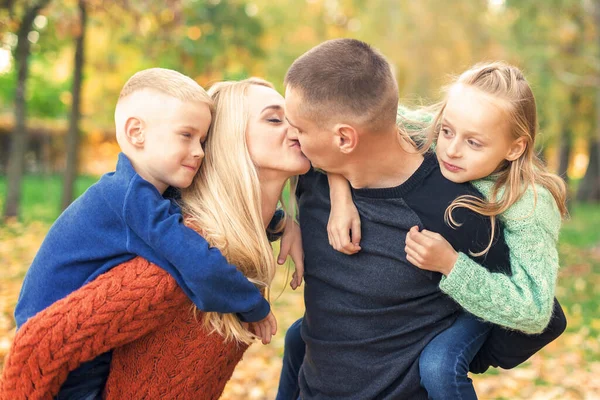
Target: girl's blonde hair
x,y
507,84
224,201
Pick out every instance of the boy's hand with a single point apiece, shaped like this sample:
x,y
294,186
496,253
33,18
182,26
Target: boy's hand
x,y
343,227
264,328
291,244
430,251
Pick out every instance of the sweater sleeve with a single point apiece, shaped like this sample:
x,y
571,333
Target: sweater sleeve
x,y
116,308
202,272
524,300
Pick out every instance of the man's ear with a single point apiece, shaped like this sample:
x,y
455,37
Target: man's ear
x,y
517,148
346,138
134,131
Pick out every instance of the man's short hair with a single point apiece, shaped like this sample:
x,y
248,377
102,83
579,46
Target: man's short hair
x,y
345,78
166,81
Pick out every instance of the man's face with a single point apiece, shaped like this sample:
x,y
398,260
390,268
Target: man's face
x,y
317,143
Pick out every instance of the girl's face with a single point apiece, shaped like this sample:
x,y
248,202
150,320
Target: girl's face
x,y
475,136
270,148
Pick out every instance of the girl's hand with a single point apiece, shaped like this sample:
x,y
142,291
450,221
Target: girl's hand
x,y
343,227
430,251
291,244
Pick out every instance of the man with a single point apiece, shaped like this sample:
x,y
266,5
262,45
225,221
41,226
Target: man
x,y
369,316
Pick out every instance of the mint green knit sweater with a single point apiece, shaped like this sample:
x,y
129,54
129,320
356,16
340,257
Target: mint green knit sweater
x,y
524,300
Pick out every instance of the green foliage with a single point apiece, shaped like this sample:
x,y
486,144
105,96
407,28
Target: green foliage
x,y
41,196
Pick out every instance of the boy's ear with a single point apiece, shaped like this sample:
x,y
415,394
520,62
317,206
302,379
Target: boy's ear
x,y
516,149
346,137
134,131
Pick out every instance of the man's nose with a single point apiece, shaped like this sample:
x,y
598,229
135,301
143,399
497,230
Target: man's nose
x,y
292,133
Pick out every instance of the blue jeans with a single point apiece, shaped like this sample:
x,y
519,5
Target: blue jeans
x,y
293,355
87,382
444,363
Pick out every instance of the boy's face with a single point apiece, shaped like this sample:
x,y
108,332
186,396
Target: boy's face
x,y
173,143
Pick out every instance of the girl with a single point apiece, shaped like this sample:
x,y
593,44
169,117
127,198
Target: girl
x,y
484,133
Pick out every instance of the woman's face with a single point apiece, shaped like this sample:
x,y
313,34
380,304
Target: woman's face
x,y
266,133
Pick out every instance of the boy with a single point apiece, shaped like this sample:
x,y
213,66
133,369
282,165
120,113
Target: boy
x,y
162,118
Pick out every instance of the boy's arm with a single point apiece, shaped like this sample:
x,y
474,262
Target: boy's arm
x,y
343,227
202,272
116,308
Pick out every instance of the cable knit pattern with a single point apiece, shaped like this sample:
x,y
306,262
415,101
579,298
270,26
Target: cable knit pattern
x,y
136,309
524,300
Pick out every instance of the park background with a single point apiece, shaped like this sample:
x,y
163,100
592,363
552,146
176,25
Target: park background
x,y
63,63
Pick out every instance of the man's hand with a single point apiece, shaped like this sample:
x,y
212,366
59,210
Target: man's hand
x,y
291,244
430,251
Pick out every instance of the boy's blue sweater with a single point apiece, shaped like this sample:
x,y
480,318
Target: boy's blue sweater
x,y
122,216
119,217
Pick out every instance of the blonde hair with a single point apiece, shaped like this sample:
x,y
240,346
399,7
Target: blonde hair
x,y
507,84
224,200
166,81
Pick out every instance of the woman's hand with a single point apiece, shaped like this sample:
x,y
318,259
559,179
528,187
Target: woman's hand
x,y
291,244
430,251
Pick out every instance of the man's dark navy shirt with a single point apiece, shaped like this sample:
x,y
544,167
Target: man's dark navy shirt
x,y
369,315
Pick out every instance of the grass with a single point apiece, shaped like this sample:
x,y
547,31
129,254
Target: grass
x,y
41,196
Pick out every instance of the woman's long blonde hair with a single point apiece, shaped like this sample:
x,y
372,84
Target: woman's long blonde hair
x,y
224,201
507,84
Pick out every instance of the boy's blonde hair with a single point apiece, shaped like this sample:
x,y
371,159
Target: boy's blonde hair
x,y
506,84
166,81
224,200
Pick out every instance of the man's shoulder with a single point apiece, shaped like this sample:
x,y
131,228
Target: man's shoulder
x,y
436,188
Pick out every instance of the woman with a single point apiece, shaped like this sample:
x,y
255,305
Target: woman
x,y
162,347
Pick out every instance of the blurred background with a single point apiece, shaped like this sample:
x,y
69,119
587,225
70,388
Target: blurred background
x,y
63,63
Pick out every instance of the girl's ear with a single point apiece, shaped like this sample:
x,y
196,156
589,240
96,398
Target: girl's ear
x,y
517,149
134,131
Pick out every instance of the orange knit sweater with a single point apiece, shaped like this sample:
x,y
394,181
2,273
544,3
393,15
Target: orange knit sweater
x,y
159,349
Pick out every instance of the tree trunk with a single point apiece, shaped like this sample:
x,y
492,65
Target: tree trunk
x,y
589,187
73,134
564,153
18,147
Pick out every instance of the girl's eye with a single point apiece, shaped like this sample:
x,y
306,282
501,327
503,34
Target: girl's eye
x,y
274,120
474,143
446,132
186,135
